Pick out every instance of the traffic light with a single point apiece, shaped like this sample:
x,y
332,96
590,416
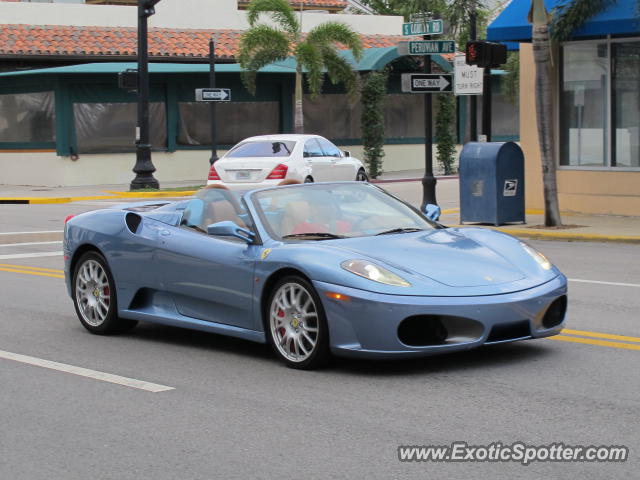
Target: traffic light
x,y
486,54
145,7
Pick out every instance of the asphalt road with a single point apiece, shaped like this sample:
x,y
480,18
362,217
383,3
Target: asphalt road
x,y
236,412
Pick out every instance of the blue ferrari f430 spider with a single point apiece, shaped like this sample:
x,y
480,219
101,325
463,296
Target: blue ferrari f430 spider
x,y
313,269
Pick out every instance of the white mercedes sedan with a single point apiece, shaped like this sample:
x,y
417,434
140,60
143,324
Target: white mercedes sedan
x,y
270,159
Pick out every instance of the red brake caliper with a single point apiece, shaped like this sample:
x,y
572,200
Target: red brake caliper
x,y
281,315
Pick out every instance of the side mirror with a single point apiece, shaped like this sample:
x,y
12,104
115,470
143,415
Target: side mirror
x,y
347,153
432,212
230,229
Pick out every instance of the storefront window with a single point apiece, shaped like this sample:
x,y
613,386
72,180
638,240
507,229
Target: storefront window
x,y
27,118
626,104
235,121
111,127
583,105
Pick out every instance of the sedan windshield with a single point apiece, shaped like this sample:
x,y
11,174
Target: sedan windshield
x,y
330,211
262,148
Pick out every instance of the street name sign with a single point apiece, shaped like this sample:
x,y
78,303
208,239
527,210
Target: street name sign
x,y
468,78
213,95
427,47
426,27
426,83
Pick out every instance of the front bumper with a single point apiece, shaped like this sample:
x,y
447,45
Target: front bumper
x,y
366,325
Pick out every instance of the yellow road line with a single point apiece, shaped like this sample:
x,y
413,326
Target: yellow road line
x,y
609,336
30,272
24,267
600,343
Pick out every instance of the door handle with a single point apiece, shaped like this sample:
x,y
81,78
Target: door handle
x,y
165,233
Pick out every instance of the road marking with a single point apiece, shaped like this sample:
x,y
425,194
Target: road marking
x,y
27,233
28,243
85,372
609,336
597,282
29,272
24,267
600,343
30,255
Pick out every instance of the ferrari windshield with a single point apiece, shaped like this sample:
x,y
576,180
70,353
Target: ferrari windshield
x,y
327,211
262,148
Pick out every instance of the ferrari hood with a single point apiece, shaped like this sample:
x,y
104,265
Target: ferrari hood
x,y
446,256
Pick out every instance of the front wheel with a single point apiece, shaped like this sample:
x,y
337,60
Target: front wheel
x,y
94,296
309,179
361,176
296,324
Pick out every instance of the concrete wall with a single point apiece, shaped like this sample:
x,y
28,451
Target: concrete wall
x,y
585,191
187,14
47,169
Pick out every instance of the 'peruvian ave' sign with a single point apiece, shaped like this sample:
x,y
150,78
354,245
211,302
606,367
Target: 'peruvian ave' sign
x,y
427,47
426,27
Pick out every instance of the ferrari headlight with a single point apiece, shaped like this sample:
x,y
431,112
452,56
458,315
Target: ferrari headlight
x,y
537,256
374,272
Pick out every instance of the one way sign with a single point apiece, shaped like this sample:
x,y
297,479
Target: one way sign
x,y
426,83
213,95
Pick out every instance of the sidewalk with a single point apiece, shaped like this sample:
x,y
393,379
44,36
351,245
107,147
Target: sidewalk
x,y
593,228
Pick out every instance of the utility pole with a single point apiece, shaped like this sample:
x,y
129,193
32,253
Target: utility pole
x,y
144,166
212,105
473,101
428,181
486,104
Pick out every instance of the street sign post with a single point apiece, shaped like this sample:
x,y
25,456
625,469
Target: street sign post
x,y
426,27
213,95
426,83
427,47
468,78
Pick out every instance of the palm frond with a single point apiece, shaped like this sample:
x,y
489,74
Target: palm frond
x,y
329,33
279,10
309,57
259,47
571,16
340,70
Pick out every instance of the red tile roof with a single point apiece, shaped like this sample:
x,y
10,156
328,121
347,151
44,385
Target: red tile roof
x,y
172,44
310,4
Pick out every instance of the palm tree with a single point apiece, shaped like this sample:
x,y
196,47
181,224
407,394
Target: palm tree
x,y
316,52
540,19
565,20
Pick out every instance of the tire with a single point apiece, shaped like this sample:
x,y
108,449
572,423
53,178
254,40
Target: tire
x,y
362,176
308,180
300,341
94,296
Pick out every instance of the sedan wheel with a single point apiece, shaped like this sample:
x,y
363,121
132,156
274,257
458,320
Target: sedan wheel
x,y
94,296
296,324
362,176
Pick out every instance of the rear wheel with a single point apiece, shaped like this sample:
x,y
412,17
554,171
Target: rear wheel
x,y
94,296
362,176
296,324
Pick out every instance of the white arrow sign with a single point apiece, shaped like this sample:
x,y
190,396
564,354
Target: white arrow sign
x,y
426,83
213,95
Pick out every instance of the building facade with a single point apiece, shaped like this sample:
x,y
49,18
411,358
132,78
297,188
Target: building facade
x,y
597,109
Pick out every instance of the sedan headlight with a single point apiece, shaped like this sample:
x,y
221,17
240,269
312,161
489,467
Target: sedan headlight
x,y
374,272
537,256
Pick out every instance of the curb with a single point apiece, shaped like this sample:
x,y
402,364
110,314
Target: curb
x,y
568,236
400,180
112,196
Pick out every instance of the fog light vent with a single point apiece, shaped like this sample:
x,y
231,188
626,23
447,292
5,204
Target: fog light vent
x,y
555,313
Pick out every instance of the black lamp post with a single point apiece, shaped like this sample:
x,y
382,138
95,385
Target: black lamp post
x,y
212,105
144,166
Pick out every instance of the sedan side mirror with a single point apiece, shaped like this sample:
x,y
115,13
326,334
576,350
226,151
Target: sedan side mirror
x,y
230,229
347,153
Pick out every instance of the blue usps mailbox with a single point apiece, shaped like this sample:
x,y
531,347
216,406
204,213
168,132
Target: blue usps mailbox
x,y
492,183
